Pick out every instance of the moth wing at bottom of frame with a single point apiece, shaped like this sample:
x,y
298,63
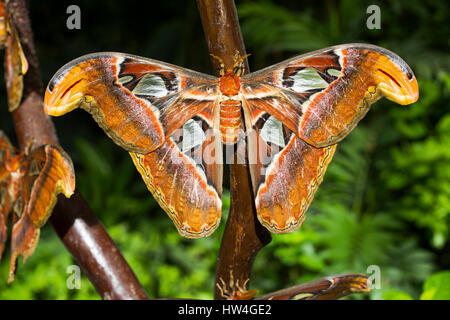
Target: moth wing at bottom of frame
x,y
185,177
286,172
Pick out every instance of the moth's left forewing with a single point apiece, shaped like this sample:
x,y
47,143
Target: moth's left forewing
x,y
138,102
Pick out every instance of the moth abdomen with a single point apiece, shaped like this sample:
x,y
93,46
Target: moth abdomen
x,y
230,120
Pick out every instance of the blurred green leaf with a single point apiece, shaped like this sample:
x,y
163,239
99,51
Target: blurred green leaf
x,y
437,287
397,295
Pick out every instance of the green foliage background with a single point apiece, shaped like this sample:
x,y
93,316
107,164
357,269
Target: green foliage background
x,y
385,199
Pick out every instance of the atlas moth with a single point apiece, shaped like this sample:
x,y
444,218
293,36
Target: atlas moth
x,y
174,122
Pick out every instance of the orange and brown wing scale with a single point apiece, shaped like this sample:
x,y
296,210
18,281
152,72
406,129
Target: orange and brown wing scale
x,y
322,96
286,173
185,177
29,186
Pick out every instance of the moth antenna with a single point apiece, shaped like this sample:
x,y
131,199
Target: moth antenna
x,y
241,59
239,63
222,64
236,56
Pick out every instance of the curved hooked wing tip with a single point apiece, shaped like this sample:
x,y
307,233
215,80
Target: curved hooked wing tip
x,y
93,83
393,76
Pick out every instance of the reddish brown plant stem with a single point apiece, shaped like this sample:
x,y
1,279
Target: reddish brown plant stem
x,y
328,288
244,236
72,219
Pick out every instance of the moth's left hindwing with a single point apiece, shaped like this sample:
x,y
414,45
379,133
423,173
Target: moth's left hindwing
x,y
185,176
